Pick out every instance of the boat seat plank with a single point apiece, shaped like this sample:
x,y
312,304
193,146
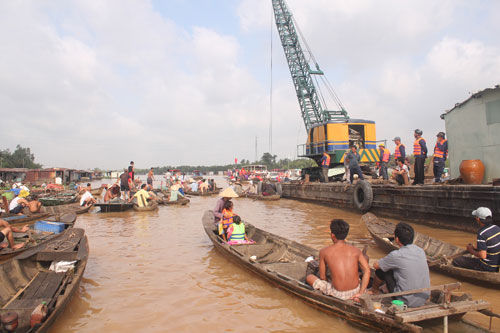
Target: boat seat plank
x,y
430,313
44,286
56,255
28,303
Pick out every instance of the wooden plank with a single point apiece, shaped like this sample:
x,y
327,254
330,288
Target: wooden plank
x,y
449,286
83,249
32,289
20,291
50,285
56,256
455,308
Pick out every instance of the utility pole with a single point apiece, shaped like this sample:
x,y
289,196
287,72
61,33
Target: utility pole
x,y
256,149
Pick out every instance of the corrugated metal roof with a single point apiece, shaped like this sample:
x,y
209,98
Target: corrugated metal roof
x,y
13,169
474,95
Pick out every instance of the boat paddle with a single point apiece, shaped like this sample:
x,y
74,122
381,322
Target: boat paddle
x,y
446,259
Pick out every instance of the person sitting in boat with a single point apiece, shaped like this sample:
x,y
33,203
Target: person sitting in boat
x,y
142,196
194,185
34,205
227,219
343,261
404,269
487,251
6,232
112,192
17,204
175,192
268,189
203,186
87,199
236,231
225,196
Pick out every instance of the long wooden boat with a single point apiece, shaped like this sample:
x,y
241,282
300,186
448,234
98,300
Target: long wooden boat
x,y
149,208
27,280
204,194
114,206
282,262
16,219
68,208
57,200
437,251
263,197
182,202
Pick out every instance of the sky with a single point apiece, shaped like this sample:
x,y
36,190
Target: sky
x,y
96,84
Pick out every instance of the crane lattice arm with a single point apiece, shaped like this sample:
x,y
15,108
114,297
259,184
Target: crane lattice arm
x,y
313,112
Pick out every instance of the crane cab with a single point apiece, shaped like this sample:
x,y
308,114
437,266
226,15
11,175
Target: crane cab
x,y
336,136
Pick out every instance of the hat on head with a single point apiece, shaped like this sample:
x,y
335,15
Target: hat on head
x,y
441,134
23,194
396,139
419,131
381,145
228,193
482,213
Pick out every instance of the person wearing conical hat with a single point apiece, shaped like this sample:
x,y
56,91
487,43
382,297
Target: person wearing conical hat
x,y
225,196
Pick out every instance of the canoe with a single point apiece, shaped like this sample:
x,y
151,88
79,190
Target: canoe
x,y
57,200
263,197
26,280
68,208
204,194
114,206
15,219
151,207
382,233
183,201
282,262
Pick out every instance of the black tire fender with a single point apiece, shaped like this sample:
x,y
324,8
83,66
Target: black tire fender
x,y
363,195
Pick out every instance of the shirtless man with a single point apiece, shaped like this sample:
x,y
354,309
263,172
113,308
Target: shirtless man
x,y
34,205
6,232
343,261
112,192
150,179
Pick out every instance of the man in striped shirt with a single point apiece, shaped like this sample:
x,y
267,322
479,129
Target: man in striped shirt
x,y
487,250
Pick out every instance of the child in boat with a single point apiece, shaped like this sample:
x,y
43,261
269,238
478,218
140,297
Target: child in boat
x,y
227,219
236,231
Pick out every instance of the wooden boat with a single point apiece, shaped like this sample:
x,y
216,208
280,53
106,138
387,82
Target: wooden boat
x,y
114,206
68,208
152,206
204,194
182,201
263,197
27,280
282,262
437,251
34,238
57,200
16,219
97,191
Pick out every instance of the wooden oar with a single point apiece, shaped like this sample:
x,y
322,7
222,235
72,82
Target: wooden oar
x,y
445,258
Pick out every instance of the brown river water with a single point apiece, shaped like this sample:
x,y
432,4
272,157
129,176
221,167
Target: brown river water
x,y
158,271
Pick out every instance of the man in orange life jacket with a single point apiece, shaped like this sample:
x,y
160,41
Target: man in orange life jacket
x,y
400,150
385,156
420,153
440,155
325,165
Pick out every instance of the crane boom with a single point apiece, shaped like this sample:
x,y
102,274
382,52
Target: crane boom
x,y
313,112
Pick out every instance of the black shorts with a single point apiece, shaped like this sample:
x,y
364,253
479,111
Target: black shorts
x,y
124,188
150,181
2,237
16,210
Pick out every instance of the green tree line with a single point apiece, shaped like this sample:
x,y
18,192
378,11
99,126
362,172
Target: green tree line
x,y
20,158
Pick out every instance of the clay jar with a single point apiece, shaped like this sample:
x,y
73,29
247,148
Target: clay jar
x,y
472,171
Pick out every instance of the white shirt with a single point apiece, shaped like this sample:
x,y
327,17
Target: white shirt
x,y
13,204
85,196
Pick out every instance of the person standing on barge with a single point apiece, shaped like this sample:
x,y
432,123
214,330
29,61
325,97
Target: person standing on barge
x,y
420,153
440,155
353,159
325,165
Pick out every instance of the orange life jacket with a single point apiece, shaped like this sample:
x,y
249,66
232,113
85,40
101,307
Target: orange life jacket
x,y
397,152
227,218
437,150
385,155
417,150
326,163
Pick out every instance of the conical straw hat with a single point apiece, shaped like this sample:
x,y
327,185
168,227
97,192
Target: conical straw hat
x,y
228,193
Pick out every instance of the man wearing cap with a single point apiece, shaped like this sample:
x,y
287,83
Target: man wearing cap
x,y
225,196
400,150
440,155
420,153
385,156
487,248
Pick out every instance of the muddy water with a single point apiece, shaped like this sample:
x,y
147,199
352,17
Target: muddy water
x,y
158,271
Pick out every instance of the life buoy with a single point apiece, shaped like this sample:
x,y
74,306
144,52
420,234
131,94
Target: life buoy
x,y
363,195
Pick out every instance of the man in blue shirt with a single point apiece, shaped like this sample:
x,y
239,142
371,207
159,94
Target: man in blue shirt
x,y
487,251
353,159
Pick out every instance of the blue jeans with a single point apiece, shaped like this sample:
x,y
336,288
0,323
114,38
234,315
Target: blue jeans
x,y
355,169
